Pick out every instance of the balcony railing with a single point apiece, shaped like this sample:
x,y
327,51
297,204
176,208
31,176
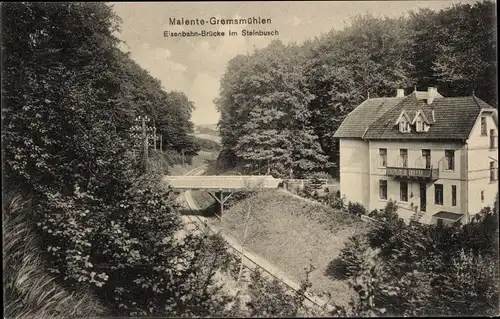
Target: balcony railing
x,y
409,172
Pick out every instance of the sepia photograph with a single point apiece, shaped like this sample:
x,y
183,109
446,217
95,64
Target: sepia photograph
x,y
241,159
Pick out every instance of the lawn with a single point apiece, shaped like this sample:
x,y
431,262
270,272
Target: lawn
x,y
292,234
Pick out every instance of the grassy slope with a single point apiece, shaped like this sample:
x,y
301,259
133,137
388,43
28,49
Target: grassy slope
x,y
292,233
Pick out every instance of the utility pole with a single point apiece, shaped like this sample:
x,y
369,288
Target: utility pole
x,y
145,143
182,152
161,142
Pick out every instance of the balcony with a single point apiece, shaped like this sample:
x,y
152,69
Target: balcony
x,y
413,173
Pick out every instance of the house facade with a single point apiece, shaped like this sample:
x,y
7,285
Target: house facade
x,y
437,157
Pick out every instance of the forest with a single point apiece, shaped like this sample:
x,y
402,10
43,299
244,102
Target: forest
x,y
293,97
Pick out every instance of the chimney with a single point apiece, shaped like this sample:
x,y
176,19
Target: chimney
x,y
431,94
401,93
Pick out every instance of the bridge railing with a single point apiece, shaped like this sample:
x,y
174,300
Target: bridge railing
x,y
222,182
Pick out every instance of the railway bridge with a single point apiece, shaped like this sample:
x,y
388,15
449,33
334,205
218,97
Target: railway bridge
x,y
222,187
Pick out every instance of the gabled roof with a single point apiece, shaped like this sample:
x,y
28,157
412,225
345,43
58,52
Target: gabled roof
x,y
403,114
454,118
355,124
424,117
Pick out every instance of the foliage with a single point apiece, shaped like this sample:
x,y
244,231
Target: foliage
x,y
70,98
270,298
62,125
174,123
356,209
310,89
371,56
30,291
455,49
264,116
207,145
423,270
355,256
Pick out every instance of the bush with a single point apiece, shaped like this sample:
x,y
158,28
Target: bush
x,y
128,250
469,287
30,290
390,224
423,270
270,298
356,209
356,256
336,202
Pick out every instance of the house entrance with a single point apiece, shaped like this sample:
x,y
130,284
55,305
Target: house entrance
x,y
423,196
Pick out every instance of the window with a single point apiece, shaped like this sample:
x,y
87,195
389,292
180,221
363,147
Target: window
x,y
404,126
450,159
383,157
482,196
493,139
403,154
453,195
493,171
426,154
484,128
403,194
420,127
438,194
383,189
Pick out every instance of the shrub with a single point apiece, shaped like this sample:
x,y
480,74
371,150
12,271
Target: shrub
x,y
469,287
356,256
270,298
336,202
390,224
127,250
30,290
356,209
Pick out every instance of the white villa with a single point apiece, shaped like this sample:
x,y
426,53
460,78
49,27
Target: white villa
x,y
436,156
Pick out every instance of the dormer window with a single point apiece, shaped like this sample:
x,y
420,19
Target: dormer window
x,y
420,126
404,126
421,122
403,122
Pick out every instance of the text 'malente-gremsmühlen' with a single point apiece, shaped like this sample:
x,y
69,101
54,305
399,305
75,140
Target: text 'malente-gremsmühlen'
x,y
216,21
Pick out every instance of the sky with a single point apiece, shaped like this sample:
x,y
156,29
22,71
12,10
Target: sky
x,y
195,65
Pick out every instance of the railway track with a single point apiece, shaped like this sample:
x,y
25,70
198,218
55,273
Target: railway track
x,y
249,264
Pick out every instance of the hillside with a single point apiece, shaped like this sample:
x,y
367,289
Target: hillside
x,y
291,234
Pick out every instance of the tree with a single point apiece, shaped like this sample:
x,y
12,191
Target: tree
x,y
455,49
370,56
174,123
63,126
265,95
70,96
